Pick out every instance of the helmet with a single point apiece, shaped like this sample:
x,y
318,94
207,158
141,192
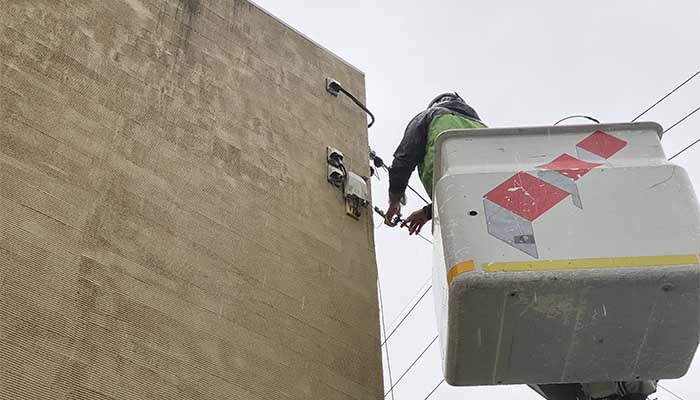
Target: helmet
x,y
443,98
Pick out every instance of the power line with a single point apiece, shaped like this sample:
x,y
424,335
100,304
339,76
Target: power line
x,y
667,95
673,394
678,123
379,163
415,296
408,185
386,348
418,194
334,87
436,388
386,338
682,119
424,238
412,364
683,151
576,116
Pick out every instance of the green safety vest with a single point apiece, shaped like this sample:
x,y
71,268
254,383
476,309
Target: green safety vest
x,y
437,126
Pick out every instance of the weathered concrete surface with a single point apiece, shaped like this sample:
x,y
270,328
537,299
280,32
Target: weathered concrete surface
x,y
166,230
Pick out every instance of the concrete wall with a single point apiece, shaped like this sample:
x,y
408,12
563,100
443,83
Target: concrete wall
x,y
166,230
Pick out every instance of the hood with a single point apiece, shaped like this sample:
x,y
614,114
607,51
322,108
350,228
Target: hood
x,y
460,107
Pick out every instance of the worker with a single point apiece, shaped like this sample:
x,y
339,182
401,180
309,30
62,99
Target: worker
x,y
417,149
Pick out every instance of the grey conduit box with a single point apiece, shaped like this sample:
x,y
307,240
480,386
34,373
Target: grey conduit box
x,y
564,254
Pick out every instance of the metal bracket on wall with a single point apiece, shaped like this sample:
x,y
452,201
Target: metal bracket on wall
x,y
354,187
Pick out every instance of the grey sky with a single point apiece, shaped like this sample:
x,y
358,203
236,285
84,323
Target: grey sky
x,y
519,64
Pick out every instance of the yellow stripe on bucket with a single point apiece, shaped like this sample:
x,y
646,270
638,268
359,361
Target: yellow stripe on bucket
x,y
467,266
592,263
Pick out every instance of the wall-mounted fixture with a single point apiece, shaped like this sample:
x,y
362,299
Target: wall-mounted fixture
x,y
356,194
336,169
354,186
332,86
334,157
336,176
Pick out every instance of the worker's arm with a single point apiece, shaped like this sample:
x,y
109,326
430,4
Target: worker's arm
x,y
408,155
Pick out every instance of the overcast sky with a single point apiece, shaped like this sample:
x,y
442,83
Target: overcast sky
x,y
519,64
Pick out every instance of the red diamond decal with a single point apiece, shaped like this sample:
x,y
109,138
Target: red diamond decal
x,y
526,195
602,144
570,166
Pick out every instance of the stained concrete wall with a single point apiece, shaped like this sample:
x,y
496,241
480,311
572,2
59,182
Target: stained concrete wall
x,y
166,230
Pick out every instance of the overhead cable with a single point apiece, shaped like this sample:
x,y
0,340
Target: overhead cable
x,y
415,296
682,119
386,348
379,163
576,116
411,366
683,151
418,194
386,338
666,96
434,389
678,123
334,87
424,238
672,394
412,189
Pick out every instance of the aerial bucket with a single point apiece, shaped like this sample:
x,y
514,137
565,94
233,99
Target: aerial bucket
x,y
564,254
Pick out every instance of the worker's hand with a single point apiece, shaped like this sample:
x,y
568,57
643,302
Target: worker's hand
x,y
415,221
392,212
